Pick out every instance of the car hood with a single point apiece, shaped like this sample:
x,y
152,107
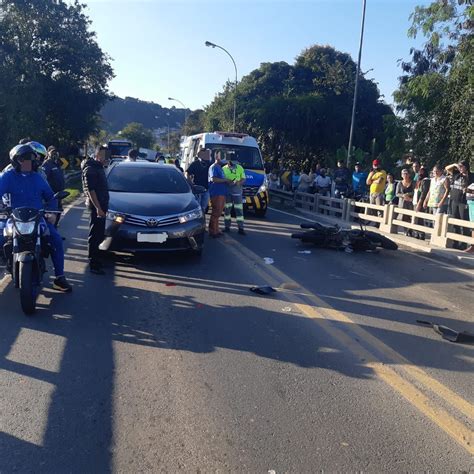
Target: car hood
x,y
152,204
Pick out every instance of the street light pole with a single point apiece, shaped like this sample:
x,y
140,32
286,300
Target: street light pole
x,y
351,133
213,45
184,107
168,123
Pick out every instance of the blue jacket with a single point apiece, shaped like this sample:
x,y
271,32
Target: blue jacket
x,y
27,190
54,175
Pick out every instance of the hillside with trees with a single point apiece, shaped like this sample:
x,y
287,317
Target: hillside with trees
x,y
118,112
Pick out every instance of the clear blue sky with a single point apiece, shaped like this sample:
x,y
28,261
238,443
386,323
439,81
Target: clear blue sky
x,y
158,48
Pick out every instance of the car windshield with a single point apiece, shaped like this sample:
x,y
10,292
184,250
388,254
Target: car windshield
x,y
119,150
248,157
127,179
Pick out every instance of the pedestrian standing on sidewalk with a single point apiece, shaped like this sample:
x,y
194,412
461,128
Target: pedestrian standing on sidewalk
x,y
416,170
405,190
305,181
359,180
437,196
376,180
422,187
390,189
96,190
218,191
470,207
460,179
235,174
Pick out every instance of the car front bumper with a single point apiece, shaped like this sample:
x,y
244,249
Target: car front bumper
x,y
187,236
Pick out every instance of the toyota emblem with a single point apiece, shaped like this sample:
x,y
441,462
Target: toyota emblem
x,y
151,222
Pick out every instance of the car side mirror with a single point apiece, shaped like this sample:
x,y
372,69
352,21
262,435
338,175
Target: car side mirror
x,y
198,189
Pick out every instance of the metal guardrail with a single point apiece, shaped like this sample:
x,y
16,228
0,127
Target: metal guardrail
x,y
283,196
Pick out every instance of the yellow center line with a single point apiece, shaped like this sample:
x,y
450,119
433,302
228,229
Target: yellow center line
x,y
327,315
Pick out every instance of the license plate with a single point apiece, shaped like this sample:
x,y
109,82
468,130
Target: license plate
x,y
157,238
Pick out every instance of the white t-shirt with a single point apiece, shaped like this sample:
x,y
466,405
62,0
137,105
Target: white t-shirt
x,y
322,181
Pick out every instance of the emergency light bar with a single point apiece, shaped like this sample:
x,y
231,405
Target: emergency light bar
x,y
232,134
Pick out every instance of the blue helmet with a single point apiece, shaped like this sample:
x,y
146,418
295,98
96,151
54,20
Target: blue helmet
x,y
40,150
21,152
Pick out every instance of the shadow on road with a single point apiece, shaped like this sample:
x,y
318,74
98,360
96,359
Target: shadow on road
x,y
78,433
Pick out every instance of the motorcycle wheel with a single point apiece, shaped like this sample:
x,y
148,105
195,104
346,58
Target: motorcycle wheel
x,y
382,241
28,287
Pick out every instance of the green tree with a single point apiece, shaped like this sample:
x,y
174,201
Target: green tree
x,y
436,90
301,112
53,75
194,122
138,135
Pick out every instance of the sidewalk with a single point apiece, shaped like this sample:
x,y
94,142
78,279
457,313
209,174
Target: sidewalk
x,y
452,256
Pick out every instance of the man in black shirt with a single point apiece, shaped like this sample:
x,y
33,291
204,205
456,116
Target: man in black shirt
x,y
96,190
198,174
460,179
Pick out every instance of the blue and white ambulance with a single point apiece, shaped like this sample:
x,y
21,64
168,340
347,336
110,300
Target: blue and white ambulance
x,y
240,148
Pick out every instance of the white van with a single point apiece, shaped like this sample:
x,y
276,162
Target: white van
x,y
241,148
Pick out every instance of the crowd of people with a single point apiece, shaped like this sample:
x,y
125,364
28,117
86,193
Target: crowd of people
x,y
441,190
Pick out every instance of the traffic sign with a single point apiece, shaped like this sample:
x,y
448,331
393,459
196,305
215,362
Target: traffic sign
x,y
64,163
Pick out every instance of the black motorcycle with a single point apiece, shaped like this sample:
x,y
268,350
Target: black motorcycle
x,y
26,248
335,237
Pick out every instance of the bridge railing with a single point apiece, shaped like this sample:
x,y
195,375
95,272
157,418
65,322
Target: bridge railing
x,y
441,229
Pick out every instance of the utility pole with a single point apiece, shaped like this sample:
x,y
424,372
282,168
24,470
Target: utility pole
x,y
351,133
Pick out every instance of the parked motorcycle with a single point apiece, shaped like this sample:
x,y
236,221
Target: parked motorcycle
x,y
343,239
26,248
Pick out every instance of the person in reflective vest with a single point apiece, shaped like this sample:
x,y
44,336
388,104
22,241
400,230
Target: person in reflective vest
x,y
236,176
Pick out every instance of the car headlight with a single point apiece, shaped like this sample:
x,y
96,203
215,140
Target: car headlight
x,y
264,186
25,228
116,217
8,230
190,216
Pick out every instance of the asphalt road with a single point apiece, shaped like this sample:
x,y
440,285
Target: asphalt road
x,y
171,363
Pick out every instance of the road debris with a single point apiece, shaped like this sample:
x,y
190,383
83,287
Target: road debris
x,y
263,290
306,252
448,333
268,260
